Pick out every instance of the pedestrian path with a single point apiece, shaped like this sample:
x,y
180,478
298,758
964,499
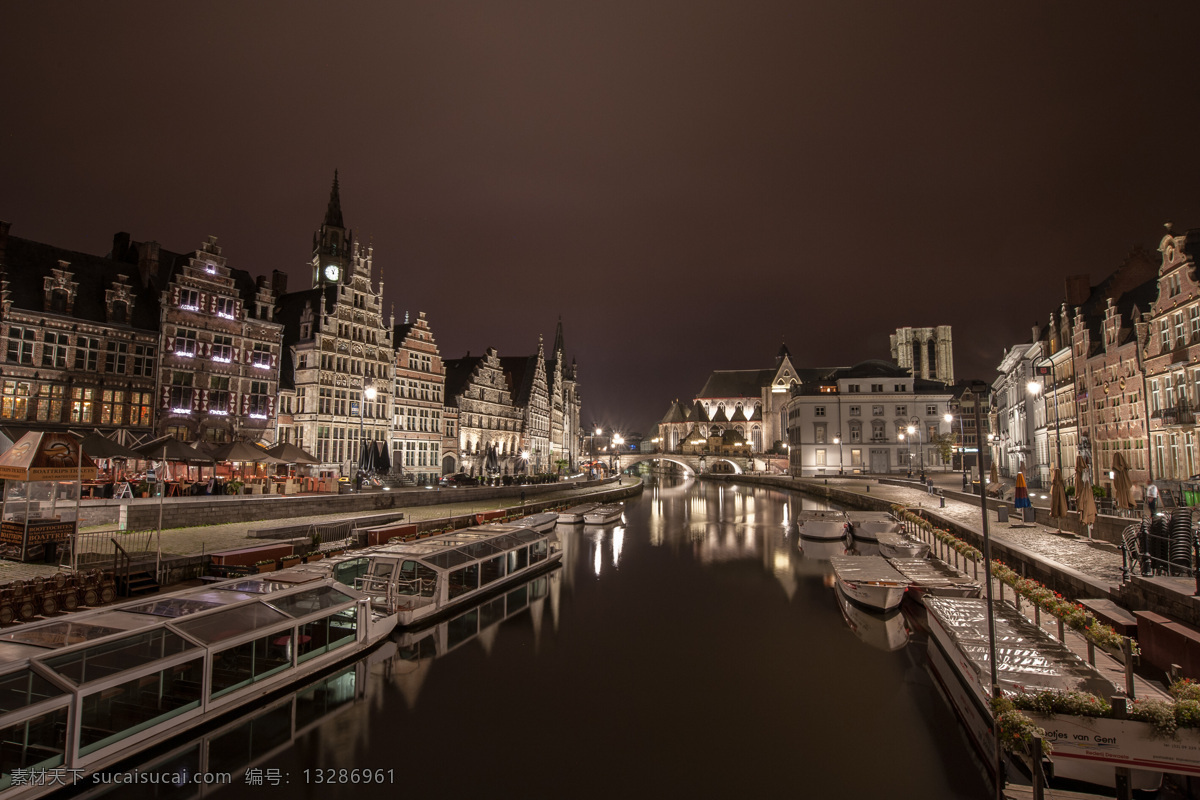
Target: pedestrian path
x,y
1097,560
203,539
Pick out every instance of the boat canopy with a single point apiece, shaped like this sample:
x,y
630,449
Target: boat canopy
x,y
1027,658
461,547
866,569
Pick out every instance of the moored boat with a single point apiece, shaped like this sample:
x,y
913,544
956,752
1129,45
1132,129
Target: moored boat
x,y
1029,660
544,521
574,514
604,514
901,545
883,631
936,578
824,524
869,524
422,579
870,580
91,689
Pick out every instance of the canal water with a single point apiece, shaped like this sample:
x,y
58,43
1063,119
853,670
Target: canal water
x,y
692,651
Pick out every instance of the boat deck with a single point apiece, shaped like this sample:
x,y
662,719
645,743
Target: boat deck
x,y
868,569
927,573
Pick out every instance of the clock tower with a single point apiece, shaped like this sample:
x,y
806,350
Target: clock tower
x,y
332,244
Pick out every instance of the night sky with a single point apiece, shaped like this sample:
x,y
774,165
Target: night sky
x,y
686,183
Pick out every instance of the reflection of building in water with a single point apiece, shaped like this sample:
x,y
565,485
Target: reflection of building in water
x,y
248,742
416,650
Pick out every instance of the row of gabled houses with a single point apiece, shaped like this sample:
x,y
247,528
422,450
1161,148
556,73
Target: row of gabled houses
x,y
143,342
1114,369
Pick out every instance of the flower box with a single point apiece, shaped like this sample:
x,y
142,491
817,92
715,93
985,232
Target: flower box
x,y
284,563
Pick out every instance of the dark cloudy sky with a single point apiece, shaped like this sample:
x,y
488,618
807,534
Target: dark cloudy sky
x,y
686,183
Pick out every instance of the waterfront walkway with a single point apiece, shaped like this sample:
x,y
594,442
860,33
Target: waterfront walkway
x,y
202,539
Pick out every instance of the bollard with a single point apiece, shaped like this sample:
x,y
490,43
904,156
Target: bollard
x,y
1062,632
943,501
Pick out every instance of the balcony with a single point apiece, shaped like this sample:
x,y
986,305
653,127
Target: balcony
x,y
1179,415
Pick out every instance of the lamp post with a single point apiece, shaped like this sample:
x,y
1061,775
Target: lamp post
x,y
614,459
368,397
914,426
962,447
1043,371
837,439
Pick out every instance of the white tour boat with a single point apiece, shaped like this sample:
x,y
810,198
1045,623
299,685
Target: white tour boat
x,y
935,577
869,524
901,545
544,521
421,579
1028,660
87,690
827,525
574,514
604,514
870,580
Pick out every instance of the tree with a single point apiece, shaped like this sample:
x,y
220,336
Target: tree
x,y
945,444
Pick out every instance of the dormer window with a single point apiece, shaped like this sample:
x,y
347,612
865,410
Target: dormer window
x,y
189,299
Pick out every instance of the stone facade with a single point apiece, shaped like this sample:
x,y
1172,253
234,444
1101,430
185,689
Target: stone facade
x,y
218,379
339,346
931,350
488,421
858,419
417,429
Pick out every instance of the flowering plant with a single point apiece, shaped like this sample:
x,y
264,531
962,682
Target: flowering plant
x,y
1016,730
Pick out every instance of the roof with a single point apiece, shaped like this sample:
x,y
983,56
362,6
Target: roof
x,y
458,375
519,373
737,383
29,263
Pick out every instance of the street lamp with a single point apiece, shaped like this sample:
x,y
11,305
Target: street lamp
x,y
914,426
962,446
1044,371
617,441
837,439
368,397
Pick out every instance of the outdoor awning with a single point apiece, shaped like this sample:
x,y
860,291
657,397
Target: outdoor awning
x,y
99,446
39,456
291,454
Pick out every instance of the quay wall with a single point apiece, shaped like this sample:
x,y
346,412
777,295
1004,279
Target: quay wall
x,y
182,512
1169,597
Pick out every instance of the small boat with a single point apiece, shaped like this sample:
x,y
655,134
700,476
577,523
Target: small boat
x,y
870,580
869,524
936,578
574,514
825,525
821,549
604,514
901,545
422,579
539,522
883,631
1028,660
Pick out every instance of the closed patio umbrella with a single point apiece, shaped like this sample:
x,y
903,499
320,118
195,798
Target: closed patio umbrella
x,y
1122,485
1021,493
1085,501
1058,497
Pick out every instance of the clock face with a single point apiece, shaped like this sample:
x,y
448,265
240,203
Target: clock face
x,y
331,272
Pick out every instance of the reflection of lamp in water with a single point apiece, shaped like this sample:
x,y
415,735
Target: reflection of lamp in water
x,y
618,542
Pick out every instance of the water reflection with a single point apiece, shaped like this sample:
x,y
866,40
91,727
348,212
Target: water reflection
x,y
883,631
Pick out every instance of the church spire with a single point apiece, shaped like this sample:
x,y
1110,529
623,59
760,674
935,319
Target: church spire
x,y
333,214
558,338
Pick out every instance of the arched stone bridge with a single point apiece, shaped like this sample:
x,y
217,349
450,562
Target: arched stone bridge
x,y
690,464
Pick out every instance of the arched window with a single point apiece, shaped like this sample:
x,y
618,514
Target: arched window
x,y
756,442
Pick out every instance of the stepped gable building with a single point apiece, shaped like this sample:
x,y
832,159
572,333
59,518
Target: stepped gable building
x,y
857,419
417,421
926,352
489,424
79,335
747,402
218,378
1090,399
526,380
339,348
566,435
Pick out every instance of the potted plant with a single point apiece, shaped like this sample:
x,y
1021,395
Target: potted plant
x,y
233,487
289,561
266,565
143,489
315,555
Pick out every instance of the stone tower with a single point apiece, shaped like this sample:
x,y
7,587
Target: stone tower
x,y
925,352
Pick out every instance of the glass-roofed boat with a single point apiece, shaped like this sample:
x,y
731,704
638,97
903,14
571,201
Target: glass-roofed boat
x,y
81,692
419,580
